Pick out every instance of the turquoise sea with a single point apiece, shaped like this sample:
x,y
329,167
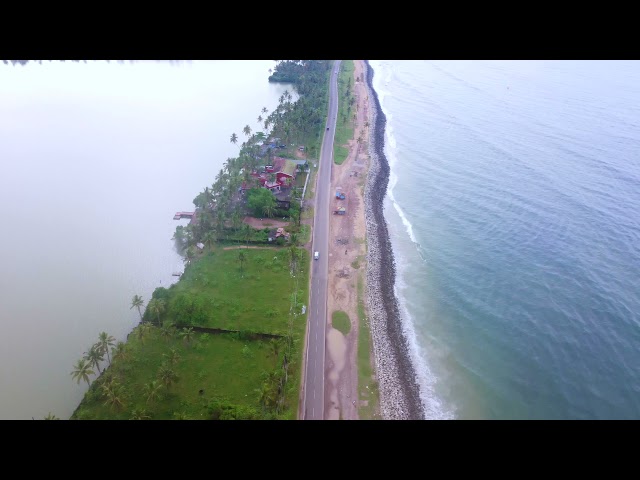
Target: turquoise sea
x,y
514,211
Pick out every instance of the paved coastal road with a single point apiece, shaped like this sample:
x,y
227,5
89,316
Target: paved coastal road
x,y
314,369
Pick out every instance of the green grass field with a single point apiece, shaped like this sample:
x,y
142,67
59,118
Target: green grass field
x,y
218,365
345,123
305,234
340,321
253,298
226,367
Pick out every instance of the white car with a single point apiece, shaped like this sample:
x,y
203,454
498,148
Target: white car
x,y
316,255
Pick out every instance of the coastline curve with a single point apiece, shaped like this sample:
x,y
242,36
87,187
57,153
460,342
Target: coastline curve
x,y
399,390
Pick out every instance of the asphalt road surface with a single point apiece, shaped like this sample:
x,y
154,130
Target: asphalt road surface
x,y
314,369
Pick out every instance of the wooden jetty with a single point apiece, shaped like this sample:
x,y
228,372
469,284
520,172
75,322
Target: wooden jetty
x,y
181,215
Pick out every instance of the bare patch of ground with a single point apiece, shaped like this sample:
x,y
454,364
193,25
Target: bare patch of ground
x,y
242,246
261,223
346,250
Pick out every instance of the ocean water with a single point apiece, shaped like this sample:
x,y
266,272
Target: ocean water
x,y
514,211
95,160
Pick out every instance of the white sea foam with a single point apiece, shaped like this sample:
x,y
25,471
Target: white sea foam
x,y
433,406
434,409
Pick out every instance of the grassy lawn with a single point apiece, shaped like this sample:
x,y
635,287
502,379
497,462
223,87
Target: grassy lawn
x,y
307,213
340,321
305,234
345,122
340,154
221,366
365,370
255,299
300,179
228,368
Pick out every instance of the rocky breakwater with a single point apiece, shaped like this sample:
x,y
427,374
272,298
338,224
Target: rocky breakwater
x,y
399,391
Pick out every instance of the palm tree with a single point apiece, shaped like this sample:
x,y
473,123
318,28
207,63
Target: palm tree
x,y
167,376
94,356
293,254
190,253
104,342
269,210
139,415
142,331
82,370
108,383
156,307
173,356
115,396
259,118
51,416
264,110
120,352
267,395
137,302
187,334
234,139
274,347
209,238
247,130
241,259
152,391
236,220
167,331
247,231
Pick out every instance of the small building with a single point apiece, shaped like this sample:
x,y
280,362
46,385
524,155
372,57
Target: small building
x,y
181,215
200,245
273,186
277,233
283,199
284,169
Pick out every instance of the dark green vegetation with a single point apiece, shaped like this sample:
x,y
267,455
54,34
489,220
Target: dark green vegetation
x,y
340,321
310,78
221,208
250,372
159,376
224,342
347,109
251,295
261,202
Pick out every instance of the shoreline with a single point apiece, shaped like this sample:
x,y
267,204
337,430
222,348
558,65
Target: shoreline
x,y
396,374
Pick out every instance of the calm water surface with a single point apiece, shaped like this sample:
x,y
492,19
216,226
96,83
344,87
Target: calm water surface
x,y
96,158
514,207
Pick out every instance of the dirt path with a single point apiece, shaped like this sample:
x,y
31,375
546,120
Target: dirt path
x,y
265,222
346,262
243,247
